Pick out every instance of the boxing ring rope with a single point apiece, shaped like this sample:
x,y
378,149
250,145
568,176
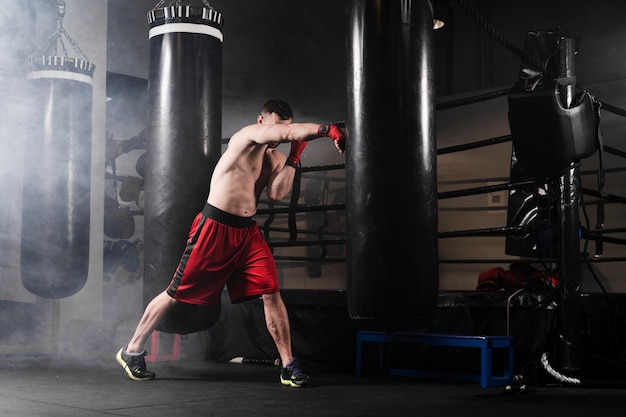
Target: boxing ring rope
x,y
293,208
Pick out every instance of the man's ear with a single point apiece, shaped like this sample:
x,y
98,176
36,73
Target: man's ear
x,y
259,119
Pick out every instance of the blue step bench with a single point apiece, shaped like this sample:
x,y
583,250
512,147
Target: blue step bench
x,y
486,344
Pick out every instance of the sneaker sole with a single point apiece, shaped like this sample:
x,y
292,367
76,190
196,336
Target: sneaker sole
x,y
122,362
292,384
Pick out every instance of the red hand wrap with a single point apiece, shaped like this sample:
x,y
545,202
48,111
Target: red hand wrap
x,y
294,154
336,134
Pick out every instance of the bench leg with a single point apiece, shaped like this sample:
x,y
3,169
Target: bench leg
x,y
382,357
510,371
359,356
485,366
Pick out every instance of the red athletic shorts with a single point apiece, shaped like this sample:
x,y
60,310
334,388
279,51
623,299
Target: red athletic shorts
x,y
223,249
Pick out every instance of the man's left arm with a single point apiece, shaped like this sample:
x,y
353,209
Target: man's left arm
x,y
280,180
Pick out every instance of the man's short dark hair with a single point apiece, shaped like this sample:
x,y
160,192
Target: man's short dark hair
x,y
280,107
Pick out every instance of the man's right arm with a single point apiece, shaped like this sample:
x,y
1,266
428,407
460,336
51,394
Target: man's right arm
x,y
300,132
281,133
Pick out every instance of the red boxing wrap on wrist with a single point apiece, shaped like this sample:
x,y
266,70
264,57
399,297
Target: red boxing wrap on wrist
x,y
335,133
294,154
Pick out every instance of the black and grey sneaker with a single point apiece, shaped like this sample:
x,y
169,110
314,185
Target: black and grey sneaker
x,y
293,376
134,365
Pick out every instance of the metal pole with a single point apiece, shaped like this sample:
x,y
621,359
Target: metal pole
x,y
569,342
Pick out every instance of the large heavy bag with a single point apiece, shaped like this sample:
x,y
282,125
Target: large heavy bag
x,y
56,202
184,132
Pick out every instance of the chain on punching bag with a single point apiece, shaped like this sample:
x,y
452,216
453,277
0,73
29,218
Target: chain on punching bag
x,y
184,131
57,171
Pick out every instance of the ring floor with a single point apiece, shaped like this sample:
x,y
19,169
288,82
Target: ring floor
x,y
53,386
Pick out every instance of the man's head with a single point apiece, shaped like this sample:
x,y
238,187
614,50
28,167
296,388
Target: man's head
x,y
275,111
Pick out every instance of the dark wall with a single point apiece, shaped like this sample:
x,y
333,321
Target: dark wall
x,y
471,58
291,49
296,49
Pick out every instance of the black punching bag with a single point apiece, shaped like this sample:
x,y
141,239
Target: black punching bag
x,y
391,163
54,257
184,131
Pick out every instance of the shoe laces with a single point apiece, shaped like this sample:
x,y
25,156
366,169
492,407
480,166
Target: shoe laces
x,y
137,362
294,368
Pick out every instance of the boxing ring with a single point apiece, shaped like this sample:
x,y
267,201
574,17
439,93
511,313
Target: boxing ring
x,y
548,223
309,233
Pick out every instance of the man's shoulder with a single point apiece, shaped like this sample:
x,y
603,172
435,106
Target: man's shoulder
x,y
242,137
245,135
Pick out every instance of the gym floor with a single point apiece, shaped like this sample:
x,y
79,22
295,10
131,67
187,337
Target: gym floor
x,y
51,386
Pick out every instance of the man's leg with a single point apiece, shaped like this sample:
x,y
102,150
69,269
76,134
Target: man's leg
x,y
132,357
154,313
277,322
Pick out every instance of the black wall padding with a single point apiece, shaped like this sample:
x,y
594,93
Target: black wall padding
x,y
184,132
391,163
57,181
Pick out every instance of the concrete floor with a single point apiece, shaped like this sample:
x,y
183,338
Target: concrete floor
x,y
52,386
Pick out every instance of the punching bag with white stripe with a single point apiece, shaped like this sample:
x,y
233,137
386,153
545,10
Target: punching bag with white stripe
x,y
54,257
184,131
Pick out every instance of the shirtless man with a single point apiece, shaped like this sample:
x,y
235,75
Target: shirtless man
x,y
225,246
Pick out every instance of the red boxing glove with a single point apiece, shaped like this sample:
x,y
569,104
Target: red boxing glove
x,y
294,154
335,133
490,279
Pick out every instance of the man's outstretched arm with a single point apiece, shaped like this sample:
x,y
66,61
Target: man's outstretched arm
x,y
283,170
299,132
